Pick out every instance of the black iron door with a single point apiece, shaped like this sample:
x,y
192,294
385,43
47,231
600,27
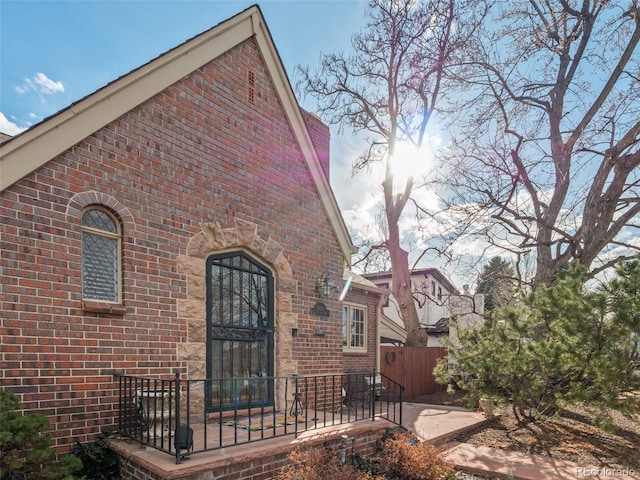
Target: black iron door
x,y
239,332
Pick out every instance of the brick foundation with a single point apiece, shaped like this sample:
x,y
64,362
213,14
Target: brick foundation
x,y
262,464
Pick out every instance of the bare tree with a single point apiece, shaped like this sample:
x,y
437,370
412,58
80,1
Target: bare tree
x,y
388,88
546,149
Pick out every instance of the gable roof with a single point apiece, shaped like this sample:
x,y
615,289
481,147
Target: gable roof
x,y
361,283
31,149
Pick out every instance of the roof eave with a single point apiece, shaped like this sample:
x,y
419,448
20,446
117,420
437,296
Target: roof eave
x,y
390,329
48,139
25,153
290,103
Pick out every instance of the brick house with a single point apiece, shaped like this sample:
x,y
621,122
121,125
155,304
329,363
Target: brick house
x,y
364,300
125,218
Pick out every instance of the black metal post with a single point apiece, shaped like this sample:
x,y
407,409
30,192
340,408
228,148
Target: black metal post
x,y
372,393
177,440
401,390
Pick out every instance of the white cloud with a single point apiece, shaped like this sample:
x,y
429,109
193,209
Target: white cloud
x,y
47,85
41,84
8,127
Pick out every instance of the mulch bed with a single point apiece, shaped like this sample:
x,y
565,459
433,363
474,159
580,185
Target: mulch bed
x,y
574,436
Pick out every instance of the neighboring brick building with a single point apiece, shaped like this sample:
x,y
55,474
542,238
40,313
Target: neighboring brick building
x,y
122,217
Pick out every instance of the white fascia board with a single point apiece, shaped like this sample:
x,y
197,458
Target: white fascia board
x,y
390,329
29,151
51,137
292,110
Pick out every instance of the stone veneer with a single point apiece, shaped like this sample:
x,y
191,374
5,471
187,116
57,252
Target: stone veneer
x,y
215,239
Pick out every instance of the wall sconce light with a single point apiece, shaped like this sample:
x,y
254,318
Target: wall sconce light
x,y
326,286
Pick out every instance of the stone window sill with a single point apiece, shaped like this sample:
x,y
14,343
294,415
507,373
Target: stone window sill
x,y
95,306
355,351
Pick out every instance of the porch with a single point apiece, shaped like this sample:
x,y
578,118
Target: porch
x,y
262,460
245,461
188,423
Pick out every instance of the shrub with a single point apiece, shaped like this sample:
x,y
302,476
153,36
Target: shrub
x,y
26,452
399,457
99,462
567,344
310,463
406,458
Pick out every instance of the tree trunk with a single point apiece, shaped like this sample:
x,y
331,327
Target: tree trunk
x,y
401,284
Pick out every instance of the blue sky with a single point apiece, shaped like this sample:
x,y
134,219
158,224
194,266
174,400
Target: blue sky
x,y
53,53
56,52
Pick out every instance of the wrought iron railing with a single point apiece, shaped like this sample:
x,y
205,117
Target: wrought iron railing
x,y
183,417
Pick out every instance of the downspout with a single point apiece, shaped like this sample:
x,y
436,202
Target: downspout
x,y
381,301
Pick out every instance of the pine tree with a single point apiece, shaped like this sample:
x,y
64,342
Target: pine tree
x,y
26,450
565,344
497,283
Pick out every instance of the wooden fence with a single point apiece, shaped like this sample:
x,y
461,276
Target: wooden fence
x,y
413,368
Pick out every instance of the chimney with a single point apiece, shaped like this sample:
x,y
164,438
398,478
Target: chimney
x,y
320,136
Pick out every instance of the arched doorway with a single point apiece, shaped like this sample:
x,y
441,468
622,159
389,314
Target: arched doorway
x,y
240,342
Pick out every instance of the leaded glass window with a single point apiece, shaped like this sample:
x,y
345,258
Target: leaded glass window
x,y
100,256
240,331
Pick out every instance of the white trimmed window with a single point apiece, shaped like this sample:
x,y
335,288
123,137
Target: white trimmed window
x,y
100,256
354,327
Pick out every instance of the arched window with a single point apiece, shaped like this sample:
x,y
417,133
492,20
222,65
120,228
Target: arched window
x,y
239,331
100,255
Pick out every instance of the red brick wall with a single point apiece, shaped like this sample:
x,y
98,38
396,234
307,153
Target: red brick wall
x,y
260,465
200,151
319,133
361,361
